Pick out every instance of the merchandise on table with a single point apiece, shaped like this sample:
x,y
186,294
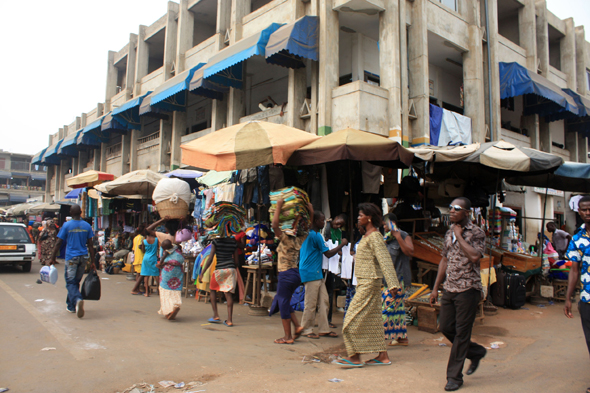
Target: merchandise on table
x,y
294,216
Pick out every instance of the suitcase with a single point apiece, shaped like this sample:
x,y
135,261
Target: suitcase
x,y
515,291
498,289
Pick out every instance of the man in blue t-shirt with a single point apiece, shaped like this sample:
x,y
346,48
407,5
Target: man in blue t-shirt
x,y
78,237
310,269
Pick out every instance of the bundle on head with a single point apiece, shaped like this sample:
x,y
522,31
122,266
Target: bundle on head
x,y
224,219
294,216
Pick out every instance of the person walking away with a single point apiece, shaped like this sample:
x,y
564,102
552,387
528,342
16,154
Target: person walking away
x,y
310,269
171,262
288,277
138,259
579,253
47,240
401,249
150,258
333,231
560,239
351,286
77,234
224,277
363,325
464,246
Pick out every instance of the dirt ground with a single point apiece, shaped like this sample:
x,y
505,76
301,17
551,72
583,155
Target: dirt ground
x,y
122,342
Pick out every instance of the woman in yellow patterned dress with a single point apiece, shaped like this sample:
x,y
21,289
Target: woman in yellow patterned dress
x,y
363,324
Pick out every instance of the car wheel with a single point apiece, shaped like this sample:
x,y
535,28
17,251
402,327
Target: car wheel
x,y
27,267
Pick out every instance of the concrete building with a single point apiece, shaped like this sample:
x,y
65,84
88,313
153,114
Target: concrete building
x,y
19,180
380,65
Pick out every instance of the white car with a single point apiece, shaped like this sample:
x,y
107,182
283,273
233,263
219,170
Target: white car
x,y
16,246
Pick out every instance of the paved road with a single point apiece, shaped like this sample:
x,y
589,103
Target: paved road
x,y
123,341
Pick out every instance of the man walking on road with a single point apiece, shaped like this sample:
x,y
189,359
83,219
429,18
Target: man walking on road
x,y
77,234
310,269
579,253
464,246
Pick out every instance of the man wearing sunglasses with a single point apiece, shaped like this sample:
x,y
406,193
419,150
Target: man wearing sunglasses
x,y
464,245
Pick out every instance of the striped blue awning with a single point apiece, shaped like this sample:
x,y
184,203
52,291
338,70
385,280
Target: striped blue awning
x,y
172,94
37,158
293,42
91,135
51,156
128,114
68,146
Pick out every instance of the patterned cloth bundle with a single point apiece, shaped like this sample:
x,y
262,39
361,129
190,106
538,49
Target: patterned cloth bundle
x,y
223,219
295,215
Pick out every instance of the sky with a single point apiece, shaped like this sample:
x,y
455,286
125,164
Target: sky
x,y
55,59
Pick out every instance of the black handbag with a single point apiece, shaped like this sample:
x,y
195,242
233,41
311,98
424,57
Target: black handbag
x,y
91,286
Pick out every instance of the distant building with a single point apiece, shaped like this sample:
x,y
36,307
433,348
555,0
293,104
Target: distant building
x,y
19,181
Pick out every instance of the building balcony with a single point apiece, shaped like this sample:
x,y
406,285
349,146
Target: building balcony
x,y
149,142
272,115
153,80
361,106
509,52
114,151
21,188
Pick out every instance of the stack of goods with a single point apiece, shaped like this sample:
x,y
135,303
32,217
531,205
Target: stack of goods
x,y
264,254
172,197
224,219
294,217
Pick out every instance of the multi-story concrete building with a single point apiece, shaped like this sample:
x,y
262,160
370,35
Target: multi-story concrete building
x,y
19,180
374,65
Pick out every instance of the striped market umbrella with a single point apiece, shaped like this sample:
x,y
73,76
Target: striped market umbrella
x,y
89,179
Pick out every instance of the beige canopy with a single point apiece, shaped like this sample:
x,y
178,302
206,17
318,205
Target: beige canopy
x,y
44,207
141,182
89,179
444,153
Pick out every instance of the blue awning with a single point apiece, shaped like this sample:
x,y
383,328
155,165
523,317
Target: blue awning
x,y
146,109
582,103
91,134
171,95
51,157
39,176
289,44
5,175
111,124
128,113
226,66
207,87
75,193
37,158
541,96
68,146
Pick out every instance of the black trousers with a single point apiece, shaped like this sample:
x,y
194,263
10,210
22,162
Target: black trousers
x,y
330,286
457,314
585,315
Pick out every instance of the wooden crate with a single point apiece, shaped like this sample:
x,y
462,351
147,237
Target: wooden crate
x,y
520,262
425,250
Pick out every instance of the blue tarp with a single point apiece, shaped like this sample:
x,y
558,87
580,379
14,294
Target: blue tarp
x,y
128,114
37,158
516,80
226,66
171,95
68,146
289,44
436,115
75,193
51,157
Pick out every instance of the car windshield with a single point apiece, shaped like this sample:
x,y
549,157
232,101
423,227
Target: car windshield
x,y
13,234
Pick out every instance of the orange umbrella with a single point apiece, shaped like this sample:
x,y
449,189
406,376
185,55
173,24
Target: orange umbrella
x,y
89,179
244,146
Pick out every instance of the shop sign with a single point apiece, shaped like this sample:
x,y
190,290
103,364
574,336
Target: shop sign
x,y
550,191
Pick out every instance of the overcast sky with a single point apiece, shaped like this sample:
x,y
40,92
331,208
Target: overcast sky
x,y
55,59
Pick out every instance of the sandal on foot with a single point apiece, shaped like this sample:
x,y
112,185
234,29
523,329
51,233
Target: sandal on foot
x,y
213,320
313,336
296,335
331,334
375,362
347,363
332,326
227,324
395,343
283,341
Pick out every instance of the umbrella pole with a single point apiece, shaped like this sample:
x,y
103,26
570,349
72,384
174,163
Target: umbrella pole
x,y
490,244
350,218
542,238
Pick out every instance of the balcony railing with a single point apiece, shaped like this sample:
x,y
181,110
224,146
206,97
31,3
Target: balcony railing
x,y
19,166
114,151
25,188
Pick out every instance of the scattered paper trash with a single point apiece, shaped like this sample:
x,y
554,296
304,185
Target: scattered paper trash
x,y
179,385
167,384
205,324
524,308
105,278
135,390
540,305
439,339
48,349
39,300
3,390
335,380
496,344
442,345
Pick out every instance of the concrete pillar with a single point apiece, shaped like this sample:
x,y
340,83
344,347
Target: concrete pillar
x,y
571,144
473,84
527,31
296,96
125,153
185,29
544,136
236,106
495,125
165,140
111,80
142,60
567,47
219,114
82,161
223,24
49,177
236,98
239,9
329,68
403,40
135,135
96,165
131,65
542,37
389,65
170,41
581,83
583,149
531,123
178,130
314,67
103,157
418,77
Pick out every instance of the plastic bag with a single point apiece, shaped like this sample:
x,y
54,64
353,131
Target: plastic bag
x,y
91,287
49,274
182,235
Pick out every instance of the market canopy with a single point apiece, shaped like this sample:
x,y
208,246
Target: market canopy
x,y
244,146
226,67
51,156
20,209
541,96
184,174
444,153
38,158
293,42
172,94
141,182
44,207
127,115
68,147
351,144
570,176
89,179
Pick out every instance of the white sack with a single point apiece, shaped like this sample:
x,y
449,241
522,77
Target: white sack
x,y
172,190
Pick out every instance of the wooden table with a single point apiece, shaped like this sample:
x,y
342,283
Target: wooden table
x,y
187,267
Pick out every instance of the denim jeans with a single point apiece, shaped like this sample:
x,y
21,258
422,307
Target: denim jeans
x,y
73,275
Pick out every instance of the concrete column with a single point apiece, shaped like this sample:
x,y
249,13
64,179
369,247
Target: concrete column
x,y
495,126
571,144
236,98
131,65
223,24
49,177
527,31
329,68
82,161
296,96
133,166
567,47
581,83
542,37
389,65
178,130
583,149
125,153
165,140
111,80
315,69
96,165
142,60
75,164
531,123
185,29
403,40
236,107
544,136
170,41
102,159
418,61
473,84
239,9
219,114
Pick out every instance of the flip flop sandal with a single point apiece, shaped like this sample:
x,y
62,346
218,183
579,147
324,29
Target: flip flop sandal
x,y
283,341
297,335
332,326
395,343
213,320
313,336
347,363
228,325
331,334
375,362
